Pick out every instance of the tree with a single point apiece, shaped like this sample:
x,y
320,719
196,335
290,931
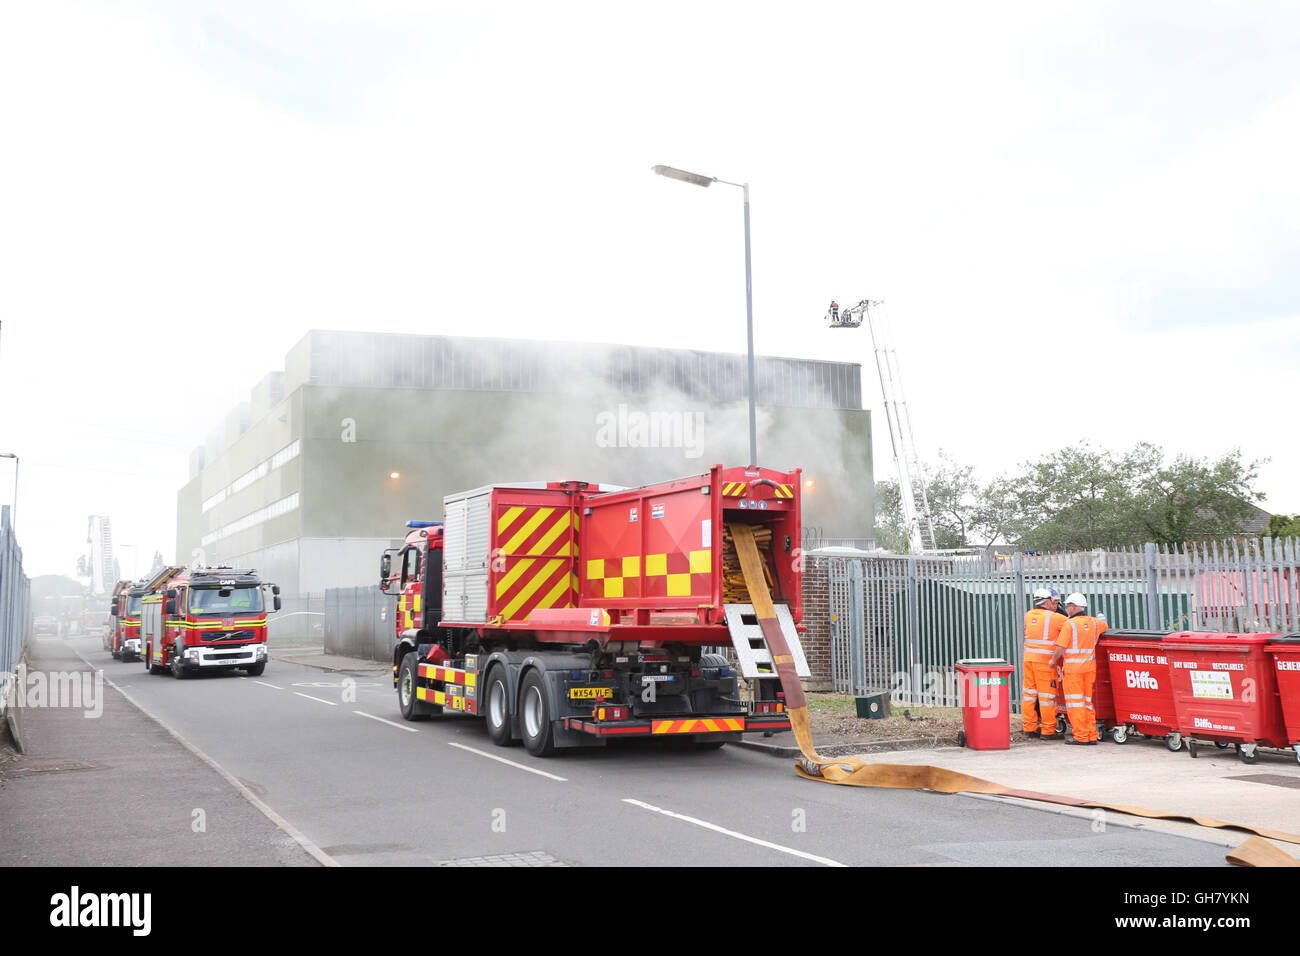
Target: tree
x,y
1283,526
1195,497
1074,499
1081,498
965,513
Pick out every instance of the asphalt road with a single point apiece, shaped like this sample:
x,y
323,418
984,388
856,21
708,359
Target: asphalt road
x,y
330,753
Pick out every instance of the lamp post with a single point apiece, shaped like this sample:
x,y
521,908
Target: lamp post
x,y
13,513
698,180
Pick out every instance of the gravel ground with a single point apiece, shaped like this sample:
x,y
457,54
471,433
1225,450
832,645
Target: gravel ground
x,y
834,721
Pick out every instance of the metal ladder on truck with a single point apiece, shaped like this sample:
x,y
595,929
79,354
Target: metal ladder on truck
x,y
754,655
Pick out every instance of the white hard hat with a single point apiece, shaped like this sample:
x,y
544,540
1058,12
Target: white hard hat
x,y
1077,599
1042,594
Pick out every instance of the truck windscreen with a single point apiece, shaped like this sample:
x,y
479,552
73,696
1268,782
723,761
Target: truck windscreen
x,y
133,605
226,601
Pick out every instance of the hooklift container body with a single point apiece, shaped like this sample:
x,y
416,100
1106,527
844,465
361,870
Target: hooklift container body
x,y
521,556
1138,671
602,594
1225,688
1284,653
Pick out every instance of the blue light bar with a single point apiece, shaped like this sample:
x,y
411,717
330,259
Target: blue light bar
x,y
424,524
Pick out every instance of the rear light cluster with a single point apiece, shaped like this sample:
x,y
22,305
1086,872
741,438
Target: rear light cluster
x,y
608,712
769,707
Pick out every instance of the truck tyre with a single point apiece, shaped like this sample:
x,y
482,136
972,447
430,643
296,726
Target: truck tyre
x,y
255,670
407,676
535,715
496,706
178,665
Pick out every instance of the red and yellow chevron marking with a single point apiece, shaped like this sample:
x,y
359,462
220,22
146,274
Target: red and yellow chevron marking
x,y
738,489
537,545
679,574
448,675
697,725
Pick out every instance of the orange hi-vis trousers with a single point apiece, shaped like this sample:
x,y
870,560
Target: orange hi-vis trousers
x,y
1078,704
1038,698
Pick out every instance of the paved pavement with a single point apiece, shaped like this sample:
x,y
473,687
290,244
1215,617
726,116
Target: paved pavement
x,y
118,790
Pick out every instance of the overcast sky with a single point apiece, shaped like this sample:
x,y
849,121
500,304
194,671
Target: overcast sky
x,y
1082,218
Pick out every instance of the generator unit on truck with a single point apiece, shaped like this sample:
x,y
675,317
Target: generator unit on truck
x,y
200,619
568,613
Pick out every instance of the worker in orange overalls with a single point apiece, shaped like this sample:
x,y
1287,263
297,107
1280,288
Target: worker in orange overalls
x,y
1077,647
1039,686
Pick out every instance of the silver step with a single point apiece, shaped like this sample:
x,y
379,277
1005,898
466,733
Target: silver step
x,y
752,652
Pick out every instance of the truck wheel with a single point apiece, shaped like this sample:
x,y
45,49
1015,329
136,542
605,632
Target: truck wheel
x,y
256,670
496,706
406,684
535,715
178,666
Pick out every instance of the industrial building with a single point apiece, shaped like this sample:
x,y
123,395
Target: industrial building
x,y
318,472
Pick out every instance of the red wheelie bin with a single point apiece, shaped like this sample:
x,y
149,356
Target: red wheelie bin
x,y
986,703
1284,652
1225,691
1138,668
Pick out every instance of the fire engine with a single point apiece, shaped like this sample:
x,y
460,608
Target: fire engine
x,y
199,619
121,617
568,613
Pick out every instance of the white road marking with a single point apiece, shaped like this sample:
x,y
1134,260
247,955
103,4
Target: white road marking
x,y
390,723
265,684
518,766
732,833
310,697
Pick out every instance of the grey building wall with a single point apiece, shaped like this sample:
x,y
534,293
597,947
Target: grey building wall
x,y
471,413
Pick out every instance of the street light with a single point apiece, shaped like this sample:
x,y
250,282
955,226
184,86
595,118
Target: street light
x,y
13,513
698,180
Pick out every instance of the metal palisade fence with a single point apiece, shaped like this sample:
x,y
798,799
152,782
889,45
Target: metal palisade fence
x,y
15,605
359,623
899,623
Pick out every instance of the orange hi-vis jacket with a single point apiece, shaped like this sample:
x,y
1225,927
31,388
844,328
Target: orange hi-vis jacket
x,y
1042,628
1078,637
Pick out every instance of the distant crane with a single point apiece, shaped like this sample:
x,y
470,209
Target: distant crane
x,y
911,477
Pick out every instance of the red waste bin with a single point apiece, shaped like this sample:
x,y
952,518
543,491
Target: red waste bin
x,y
1138,671
1225,690
986,703
1285,653
1103,698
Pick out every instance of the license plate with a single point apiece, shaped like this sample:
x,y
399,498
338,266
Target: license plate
x,y
590,693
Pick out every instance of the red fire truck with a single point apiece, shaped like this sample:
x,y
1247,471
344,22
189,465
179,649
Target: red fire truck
x,y
568,614
120,614
200,619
